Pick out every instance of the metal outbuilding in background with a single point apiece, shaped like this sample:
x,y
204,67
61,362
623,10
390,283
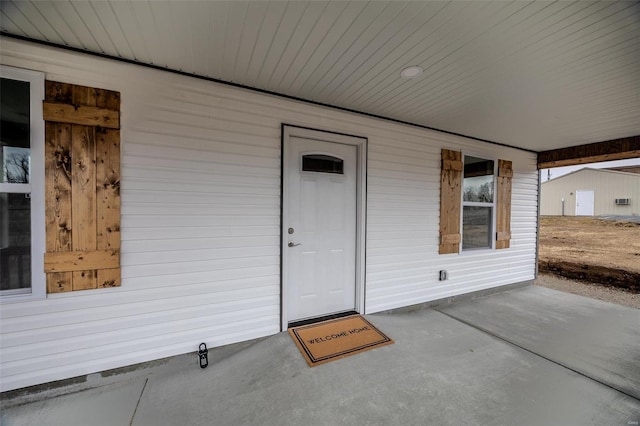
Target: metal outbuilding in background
x,y
592,192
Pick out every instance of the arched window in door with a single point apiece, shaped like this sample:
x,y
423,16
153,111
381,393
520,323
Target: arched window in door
x,y
322,164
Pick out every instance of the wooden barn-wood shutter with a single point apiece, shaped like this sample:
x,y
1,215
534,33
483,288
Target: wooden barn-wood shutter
x,y
450,192
82,173
503,195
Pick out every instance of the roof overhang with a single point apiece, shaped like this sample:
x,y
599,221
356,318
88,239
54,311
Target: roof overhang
x,y
618,149
539,76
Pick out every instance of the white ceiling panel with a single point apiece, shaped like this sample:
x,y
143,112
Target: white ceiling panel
x,y
534,74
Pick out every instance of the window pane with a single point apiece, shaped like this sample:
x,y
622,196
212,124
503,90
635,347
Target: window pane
x,y
478,180
476,227
15,241
14,131
322,163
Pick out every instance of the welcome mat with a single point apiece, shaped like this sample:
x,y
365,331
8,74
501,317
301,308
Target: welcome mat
x,y
337,338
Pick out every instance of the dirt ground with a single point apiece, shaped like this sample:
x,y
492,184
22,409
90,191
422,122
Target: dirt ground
x,y
619,296
592,250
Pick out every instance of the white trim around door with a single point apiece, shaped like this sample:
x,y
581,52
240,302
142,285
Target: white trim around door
x,y
298,246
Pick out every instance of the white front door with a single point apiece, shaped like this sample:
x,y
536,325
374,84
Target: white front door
x,y
319,227
584,203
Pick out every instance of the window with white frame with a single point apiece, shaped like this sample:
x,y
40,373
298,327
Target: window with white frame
x,y
21,182
477,203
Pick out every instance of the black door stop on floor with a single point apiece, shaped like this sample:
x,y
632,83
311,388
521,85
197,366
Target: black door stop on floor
x,y
203,354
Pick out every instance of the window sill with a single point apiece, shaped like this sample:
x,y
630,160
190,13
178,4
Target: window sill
x,y
11,296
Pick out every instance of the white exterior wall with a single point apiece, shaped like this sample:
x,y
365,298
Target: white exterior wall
x,y
201,222
606,184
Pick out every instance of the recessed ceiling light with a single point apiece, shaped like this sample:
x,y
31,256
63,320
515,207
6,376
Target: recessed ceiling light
x,y
411,72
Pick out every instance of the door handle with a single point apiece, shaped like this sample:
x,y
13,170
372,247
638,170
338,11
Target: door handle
x,y
292,244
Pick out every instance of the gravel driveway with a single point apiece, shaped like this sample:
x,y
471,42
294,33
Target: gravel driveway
x,y
594,291
635,219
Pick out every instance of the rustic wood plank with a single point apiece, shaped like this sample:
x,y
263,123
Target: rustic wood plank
x,y
90,160
588,160
108,99
83,198
501,236
452,165
504,172
81,260
82,115
616,149
58,199
450,239
58,92
83,96
109,278
59,282
503,199
83,188
108,188
58,186
450,193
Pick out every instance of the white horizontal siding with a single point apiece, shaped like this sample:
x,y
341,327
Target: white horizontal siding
x,y
201,223
403,263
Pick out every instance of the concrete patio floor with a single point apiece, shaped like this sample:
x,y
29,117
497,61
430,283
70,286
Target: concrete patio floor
x,y
529,356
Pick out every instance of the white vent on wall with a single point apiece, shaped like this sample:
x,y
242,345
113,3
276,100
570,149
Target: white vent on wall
x,y
623,201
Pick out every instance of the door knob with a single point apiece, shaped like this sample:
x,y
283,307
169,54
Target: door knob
x,y
292,244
